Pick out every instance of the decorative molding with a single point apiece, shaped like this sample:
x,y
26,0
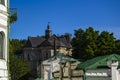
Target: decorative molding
x,y
1,17
3,12
1,25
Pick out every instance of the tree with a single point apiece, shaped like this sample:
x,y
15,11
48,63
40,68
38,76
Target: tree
x,y
84,43
105,43
18,67
117,47
78,43
89,43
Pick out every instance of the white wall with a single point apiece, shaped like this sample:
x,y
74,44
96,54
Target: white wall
x,y
118,73
3,29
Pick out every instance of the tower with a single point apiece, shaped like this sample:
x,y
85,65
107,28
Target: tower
x,y
48,32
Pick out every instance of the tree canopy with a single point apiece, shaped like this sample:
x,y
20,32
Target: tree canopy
x,y
18,67
90,43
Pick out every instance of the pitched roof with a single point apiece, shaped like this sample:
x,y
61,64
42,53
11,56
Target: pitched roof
x,y
42,42
68,58
98,62
34,41
64,41
64,58
39,79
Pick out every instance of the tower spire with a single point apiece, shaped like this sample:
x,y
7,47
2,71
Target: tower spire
x,y
48,32
48,26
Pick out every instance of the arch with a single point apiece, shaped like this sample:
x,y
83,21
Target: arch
x,y
2,36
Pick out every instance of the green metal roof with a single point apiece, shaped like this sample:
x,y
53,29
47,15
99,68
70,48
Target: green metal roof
x,y
63,61
98,62
39,79
72,60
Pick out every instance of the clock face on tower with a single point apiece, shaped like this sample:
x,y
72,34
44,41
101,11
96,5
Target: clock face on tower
x,y
2,2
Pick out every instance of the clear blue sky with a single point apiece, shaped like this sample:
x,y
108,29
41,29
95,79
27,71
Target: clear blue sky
x,y
65,16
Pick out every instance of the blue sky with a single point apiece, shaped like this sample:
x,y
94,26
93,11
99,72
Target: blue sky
x,y
65,16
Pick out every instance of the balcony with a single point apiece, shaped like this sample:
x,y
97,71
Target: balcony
x,y
13,15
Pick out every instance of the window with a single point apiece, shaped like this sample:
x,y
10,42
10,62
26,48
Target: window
x,y
2,2
1,46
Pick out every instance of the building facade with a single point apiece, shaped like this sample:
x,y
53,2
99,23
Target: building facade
x,y
7,16
3,39
102,68
41,48
68,70
99,68
57,63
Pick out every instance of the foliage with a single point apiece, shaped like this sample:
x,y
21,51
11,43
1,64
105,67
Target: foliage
x,y
106,43
16,45
117,47
13,15
90,43
18,67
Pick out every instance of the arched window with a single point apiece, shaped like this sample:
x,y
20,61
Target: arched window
x,y
1,45
2,2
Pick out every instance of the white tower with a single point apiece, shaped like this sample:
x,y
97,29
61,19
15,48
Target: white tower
x,y
3,39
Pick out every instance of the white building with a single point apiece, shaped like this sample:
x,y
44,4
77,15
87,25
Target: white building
x,y
53,64
102,68
3,39
7,16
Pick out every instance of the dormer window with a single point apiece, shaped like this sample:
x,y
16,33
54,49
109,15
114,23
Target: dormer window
x,y
1,45
2,2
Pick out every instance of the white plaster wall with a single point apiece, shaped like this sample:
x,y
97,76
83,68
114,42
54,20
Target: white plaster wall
x,y
50,65
118,73
3,29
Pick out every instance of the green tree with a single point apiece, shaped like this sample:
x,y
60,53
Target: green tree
x,y
78,43
117,47
89,43
84,43
17,45
18,67
105,43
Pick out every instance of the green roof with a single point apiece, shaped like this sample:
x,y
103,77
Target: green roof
x,y
98,62
39,79
63,61
72,60
60,55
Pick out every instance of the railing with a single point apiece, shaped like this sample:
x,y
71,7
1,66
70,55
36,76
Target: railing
x,y
13,12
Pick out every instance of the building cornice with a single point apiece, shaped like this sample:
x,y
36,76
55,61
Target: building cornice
x,y
4,13
3,18
5,27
